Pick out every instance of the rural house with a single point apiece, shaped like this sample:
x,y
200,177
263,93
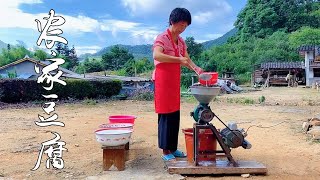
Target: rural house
x,y
311,55
24,69
275,73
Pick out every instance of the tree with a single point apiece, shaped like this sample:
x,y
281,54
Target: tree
x,y
315,14
59,48
261,18
132,66
194,49
66,50
92,65
69,55
15,53
80,69
73,57
240,57
305,36
116,58
143,65
40,54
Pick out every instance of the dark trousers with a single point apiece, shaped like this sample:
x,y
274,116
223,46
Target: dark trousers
x,y
168,130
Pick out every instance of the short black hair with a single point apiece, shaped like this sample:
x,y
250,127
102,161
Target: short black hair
x,y
180,14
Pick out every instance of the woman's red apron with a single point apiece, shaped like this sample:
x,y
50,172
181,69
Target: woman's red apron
x,y
167,88
167,85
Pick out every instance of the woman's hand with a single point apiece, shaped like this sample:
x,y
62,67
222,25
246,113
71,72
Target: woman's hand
x,y
199,70
184,61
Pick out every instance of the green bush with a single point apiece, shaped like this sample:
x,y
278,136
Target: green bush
x,y
186,80
17,90
243,78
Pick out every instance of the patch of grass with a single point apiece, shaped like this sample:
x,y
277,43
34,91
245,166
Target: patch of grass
x,y
312,141
190,99
249,101
316,141
241,100
230,100
216,99
90,102
262,99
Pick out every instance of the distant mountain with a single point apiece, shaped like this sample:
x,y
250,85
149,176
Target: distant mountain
x,y
219,41
22,43
141,51
138,51
3,45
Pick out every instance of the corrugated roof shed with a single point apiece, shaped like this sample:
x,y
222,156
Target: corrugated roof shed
x,y
282,65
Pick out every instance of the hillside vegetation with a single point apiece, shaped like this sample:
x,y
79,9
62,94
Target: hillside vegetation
x,y
267,31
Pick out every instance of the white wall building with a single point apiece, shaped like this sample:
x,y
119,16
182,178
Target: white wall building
x,y
311,55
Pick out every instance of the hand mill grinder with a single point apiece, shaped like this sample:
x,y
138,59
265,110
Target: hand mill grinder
x,y
229,137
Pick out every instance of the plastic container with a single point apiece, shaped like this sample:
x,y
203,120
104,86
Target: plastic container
x,y
206,142
122,119
213,80
113,137
117,125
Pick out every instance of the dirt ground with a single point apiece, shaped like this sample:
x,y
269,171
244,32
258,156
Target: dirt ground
x,y
282,148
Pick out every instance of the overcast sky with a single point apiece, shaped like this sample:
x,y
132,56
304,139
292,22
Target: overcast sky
x,y
94,24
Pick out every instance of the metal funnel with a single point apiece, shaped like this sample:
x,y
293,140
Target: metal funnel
x,y
204,94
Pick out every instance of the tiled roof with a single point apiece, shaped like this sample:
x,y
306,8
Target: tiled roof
x,y
282,65
22,60
309,47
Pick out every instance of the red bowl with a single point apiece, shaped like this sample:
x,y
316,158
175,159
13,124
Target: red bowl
x,y
122,119
210,82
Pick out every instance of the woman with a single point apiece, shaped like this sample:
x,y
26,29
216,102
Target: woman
x,y
169,53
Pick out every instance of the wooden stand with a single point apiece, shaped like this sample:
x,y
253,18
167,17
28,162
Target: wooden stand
x,y
225,152
114,155
219,167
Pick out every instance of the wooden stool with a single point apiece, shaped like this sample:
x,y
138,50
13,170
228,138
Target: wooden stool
x,y
114,155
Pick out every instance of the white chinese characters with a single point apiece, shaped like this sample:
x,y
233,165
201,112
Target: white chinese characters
x,y
48,34
54,152
50,74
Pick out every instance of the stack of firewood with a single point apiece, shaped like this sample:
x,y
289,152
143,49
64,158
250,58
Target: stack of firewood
x,y
312,127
